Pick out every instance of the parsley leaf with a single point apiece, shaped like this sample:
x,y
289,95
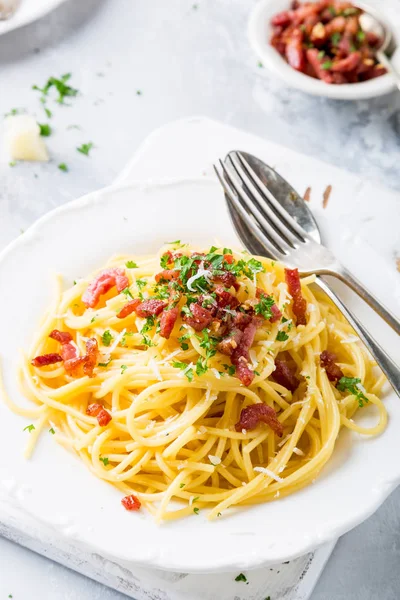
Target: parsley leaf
x,y
123,369
107,338
264,305
141,283
352,385
327,65
61,86
361,35
51,430
85,148
164,260
104,364
282,336
146,341
196,510
127,293
150,322
335,38
104,460
130,264
241,577
184,367
63,167
321,54
45,129
29,428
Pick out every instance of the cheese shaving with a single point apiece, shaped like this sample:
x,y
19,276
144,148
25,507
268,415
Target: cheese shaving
x,y
268,472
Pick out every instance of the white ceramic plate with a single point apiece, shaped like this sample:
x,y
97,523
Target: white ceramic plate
x,y
29,11
259,32
56,489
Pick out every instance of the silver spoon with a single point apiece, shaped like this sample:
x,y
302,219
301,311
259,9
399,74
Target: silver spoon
x,y
295,205
371,22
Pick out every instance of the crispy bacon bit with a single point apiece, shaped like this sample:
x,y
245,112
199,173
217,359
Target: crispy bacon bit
x,y
299,306
241,320
103,283
276,313
167,321
252,415
231,342
316,62
225,299
131,502
150,308
167,275
326,196
201,317
68,351
307,195
227,279
240,355
97,410
350,63
284,375
328,362
282,19
128,309
61,336
294,51
46,359
84,365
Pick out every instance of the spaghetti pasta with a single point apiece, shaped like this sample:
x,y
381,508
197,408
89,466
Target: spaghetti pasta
x,y
162,371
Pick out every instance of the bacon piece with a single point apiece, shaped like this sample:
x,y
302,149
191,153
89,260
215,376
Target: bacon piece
x,y
46,359
316,63
150,308
84,365
225,299
103,283
337,25
167,275
252,415
347,64
242,320
294,51
61,336
376,71
227,279
240,355
97,410
167,322
128,309
276,313
282,19
131,502
328,362
201,317
231,342
68,351
285,376
299,306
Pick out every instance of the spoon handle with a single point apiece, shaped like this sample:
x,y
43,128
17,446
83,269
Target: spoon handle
x,y
387,63
387,365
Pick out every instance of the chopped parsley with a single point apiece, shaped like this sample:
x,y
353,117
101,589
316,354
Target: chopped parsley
x,y
196,510
332,10
48,112
148,326
260,64
282,336
141,283
188,371
348,12
85,148
264,306
164,260
181,485
61,86
139,92
13,112
92,320
353,385
361,35
327,65
29,428
182,341
241,577
146,341
161,292
12,163
45,129
104,460
104,364
63,167
219,514
321,54
51,430
123,369
130,264
127,293
335,38
231,369
107,338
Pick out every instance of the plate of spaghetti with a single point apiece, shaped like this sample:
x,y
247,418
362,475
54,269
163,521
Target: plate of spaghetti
x,y
205,402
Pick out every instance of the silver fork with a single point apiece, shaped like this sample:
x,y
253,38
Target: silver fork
x,y
282,236
294,247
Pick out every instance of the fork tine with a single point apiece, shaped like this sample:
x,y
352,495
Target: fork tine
x,y
251,224
254,211
286,217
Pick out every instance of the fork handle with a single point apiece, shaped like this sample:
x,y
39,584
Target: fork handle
x,y
344,275
390,369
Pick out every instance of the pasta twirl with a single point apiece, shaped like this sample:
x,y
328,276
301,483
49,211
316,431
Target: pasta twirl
x,y
197,379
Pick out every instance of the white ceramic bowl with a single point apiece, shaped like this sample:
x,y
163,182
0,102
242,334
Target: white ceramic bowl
x,y
259,32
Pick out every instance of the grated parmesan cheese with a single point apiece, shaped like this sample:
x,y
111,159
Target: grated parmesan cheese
x,y
200,273
350,340
216,373
154,367
116,341
285,439
277,494
202,429
311,308
269,473
298,452
214,460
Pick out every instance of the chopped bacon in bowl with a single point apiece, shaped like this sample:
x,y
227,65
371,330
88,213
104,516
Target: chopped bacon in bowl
x,y
324,40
